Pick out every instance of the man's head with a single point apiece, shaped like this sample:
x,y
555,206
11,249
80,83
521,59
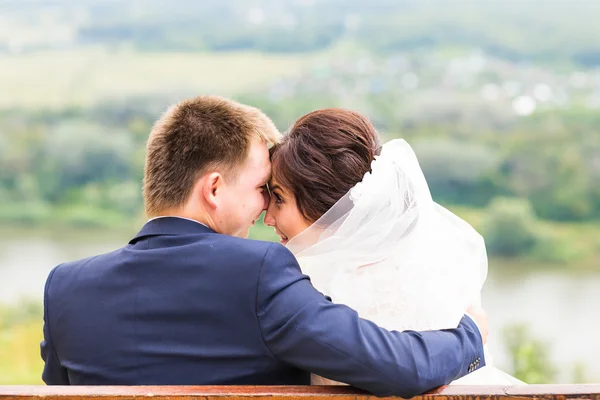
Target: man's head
x,y
207,159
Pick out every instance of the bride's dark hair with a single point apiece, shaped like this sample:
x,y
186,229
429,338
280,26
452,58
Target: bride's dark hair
x,y
323,156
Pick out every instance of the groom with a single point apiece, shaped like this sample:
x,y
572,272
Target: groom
x,y
189,301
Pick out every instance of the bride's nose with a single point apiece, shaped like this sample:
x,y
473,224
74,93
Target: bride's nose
x,y
269,219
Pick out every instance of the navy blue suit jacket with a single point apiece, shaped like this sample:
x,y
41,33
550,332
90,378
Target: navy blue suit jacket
x,y
183,305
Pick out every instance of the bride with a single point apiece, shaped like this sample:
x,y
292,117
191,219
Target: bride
x,y
360,219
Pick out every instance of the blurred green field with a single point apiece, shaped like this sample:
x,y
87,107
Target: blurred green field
x,y
20,363
55,79
20,336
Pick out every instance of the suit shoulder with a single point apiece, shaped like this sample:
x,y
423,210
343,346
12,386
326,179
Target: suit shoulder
x,y
254,249
70,267
246,246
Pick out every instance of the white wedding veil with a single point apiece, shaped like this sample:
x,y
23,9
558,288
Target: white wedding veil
x,y
390,252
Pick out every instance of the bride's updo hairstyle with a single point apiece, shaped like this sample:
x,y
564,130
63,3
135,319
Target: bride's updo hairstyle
x,y
323,156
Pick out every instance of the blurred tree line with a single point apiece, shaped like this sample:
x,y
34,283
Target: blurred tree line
x,y
532,30
94,157
521,172
550,158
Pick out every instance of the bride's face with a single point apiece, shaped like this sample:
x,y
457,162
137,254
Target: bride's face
x,y
283,214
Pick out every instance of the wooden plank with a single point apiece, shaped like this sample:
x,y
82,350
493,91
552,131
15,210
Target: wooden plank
x,y
546,392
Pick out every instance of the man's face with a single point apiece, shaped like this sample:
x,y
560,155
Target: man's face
x,y
246,197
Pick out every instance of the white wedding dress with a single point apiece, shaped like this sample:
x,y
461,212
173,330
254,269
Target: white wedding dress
x,y
399,259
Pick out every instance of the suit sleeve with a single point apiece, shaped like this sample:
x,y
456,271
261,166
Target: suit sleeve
x,y
54,373
302,328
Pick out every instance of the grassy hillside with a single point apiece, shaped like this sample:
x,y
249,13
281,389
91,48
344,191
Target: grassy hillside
x,y
82,77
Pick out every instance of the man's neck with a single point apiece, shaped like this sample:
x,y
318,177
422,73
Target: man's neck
x,y
177,216
203,220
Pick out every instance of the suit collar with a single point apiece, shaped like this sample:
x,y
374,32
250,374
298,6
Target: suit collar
x,y
171,226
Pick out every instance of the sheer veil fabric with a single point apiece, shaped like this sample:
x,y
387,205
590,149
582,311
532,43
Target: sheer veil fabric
x,y
390,252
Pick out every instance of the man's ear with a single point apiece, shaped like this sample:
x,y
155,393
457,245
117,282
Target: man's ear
x,y
211,188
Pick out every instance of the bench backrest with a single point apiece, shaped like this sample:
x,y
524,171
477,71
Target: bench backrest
x,y
548,392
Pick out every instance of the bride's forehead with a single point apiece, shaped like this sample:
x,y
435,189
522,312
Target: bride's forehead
x,y
274,183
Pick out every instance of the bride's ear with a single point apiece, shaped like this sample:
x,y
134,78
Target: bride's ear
x,y
211,188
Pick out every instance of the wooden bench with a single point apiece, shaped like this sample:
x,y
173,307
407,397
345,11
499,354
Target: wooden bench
x,y
530,392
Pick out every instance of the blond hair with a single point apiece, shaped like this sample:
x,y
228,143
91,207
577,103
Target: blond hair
x,y
193,137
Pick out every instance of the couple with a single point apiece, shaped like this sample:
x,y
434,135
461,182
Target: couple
x,y
190,301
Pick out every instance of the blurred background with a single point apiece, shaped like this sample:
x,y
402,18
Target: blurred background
x,y
499,98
